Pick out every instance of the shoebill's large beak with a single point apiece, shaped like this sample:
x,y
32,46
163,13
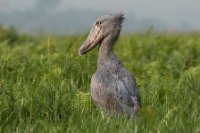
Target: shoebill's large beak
x,y
92,40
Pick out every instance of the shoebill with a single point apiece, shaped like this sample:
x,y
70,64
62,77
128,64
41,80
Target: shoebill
x,y
113,88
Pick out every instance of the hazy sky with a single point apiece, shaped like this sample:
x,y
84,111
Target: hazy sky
x,y
168,10
174,12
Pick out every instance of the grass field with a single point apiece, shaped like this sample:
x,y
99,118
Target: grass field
x,y
44,84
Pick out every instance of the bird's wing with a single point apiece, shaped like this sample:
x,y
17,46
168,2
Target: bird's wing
x,y
130,103
128,84
122,94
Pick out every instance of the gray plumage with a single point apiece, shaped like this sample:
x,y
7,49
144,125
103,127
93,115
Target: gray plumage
x,y
113,88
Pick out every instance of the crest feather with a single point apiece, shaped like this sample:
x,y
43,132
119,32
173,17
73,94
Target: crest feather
x,y
119,17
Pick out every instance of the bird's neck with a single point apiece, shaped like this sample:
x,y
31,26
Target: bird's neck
x,y
105,51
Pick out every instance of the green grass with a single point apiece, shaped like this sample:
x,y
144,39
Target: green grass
x,y
44,85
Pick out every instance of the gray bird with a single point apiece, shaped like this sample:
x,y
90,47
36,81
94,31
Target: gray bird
x,y
113,88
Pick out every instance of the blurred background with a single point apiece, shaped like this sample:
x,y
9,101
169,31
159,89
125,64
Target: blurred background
x,y
72,17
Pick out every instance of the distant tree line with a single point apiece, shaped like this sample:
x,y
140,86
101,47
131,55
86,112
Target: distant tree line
x,y
9,35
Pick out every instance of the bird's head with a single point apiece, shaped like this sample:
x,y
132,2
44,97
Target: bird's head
x,y
104,26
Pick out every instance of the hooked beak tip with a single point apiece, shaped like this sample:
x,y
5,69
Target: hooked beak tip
x,y
80,53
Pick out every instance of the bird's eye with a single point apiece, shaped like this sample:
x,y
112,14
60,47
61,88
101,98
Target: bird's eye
x,y
98,23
